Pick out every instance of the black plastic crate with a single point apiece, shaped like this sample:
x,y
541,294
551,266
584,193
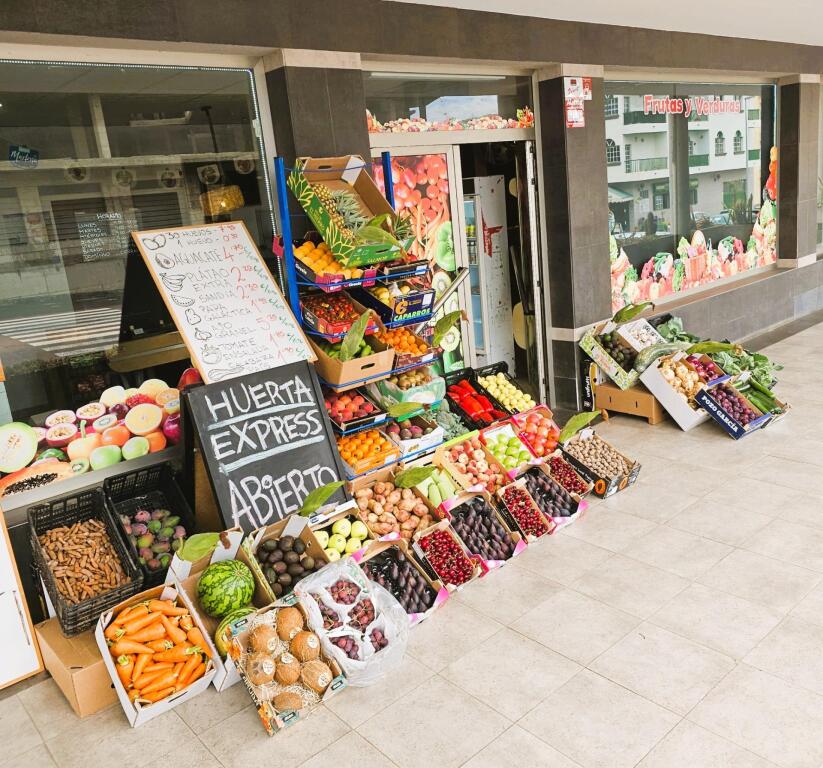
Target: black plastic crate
x,y
147,488
78,617
492,370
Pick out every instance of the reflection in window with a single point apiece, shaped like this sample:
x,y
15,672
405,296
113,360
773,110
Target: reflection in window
x,y
611,107
612,153
720,144
738,143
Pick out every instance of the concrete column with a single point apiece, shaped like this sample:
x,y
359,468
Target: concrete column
x,y
799,135
576,212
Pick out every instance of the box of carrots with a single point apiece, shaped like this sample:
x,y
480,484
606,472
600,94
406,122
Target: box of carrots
x,y
155,651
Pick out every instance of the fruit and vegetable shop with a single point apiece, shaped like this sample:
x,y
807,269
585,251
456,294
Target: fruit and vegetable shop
x,y
296,345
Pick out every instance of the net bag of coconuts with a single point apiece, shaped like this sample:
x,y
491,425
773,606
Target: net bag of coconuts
x,y
360,624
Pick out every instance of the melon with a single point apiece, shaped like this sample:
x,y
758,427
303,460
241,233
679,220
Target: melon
x,y
18,446
223,633
224,587
144,419
40,474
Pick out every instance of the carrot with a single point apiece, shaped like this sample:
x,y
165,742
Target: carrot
x,y
189,667
176,634
166,607
147,678
195,637
140,665
157,695
132,612
160,645
197,674
125,667
186,622
160,682
134,693
134,625
180,652
158,666
114,632
154,631
127,647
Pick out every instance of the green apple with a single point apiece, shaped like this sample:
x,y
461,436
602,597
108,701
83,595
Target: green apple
x,y
359,530
352,545
338,542
322,538
105,456
332,554
342,526
135,447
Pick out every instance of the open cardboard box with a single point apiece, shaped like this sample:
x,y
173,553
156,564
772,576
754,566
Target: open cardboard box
x,y
592,347
509,431
579,504
136,713
293,525
272,720
339,328
707,399
443,459
418,444
77,667
478,567
551,526
639,334
453,508
559,453
404,359
347,173
327,516
416,305
351,373
376,547
519,421
602,486
388,393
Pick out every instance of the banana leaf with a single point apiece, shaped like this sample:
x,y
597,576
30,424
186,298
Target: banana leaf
x,y
576,423
351,341
318,497
413,476
631,311
198,545
402,410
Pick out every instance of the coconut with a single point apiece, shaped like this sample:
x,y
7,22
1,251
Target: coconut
x,y
260,668
263,638
287,700
289,622
317,676
288,670
305,646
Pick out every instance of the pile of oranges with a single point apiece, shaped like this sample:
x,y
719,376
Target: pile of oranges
x,y
362,445
403,341
320,260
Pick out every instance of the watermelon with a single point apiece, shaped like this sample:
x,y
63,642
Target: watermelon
x,y
224,587
222,635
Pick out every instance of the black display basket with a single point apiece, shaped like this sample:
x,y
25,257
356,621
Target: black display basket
x,y
147,488
492,370
75,618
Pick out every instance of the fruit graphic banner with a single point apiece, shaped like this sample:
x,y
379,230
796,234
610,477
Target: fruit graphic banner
x,y
223,299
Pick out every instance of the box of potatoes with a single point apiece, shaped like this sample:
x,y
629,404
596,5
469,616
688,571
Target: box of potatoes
x,y
600,463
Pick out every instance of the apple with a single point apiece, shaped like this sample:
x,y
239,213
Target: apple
x,y
82,447
135,447
105,456
338,542
322,539
332,554
342,527
352,545
359,530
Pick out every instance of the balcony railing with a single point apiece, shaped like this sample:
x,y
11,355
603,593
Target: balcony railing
x,y
696,160
647,164
638,116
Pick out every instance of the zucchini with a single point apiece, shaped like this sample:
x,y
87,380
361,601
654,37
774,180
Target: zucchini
x,y
647,356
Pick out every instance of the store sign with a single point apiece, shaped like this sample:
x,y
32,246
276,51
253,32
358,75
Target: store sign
x,y
693,105
223,299
23,157
265,442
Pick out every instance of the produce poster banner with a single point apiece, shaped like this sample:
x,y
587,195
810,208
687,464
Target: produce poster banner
x,y
265,442
692,105
222,299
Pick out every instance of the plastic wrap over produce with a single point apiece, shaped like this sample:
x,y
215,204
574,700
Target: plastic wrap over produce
x,y
360,624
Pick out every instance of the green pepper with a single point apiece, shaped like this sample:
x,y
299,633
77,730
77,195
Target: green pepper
x,y
53,453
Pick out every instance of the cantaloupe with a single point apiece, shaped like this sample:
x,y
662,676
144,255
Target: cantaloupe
x,y
144,418
18,446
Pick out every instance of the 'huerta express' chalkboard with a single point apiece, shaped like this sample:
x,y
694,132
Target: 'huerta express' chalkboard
x,y
222,299
266,442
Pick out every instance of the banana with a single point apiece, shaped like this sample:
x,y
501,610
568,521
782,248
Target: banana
x,y
173,282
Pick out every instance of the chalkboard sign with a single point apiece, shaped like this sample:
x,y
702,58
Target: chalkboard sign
x,y
103,235
265,441
222,299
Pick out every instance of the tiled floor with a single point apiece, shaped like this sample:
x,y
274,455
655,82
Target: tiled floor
x,y
679,625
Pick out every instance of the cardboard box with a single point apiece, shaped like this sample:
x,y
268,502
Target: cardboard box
x,y
272,720
592,347
602,486
639,334
376,547
77,667
389,454
478,567
588,379
579,504
136,713
293,525
634,401
326,517
521,483
442,459
388,393
414,306
184,576
373,419
675,403
337,328
425,442
509,430
351,373
405,359
347,173
707,399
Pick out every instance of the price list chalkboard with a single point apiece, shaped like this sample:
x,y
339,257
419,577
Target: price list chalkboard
x,y
265,441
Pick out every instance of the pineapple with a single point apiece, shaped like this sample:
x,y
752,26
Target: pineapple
x,y
348,207
326,197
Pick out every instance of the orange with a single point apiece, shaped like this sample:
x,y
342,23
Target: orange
x,y
117,435
157,441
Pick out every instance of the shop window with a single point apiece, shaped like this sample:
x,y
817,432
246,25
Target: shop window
x,y
612,153
820,182
611,107
738,143
714,212
400,102
95,152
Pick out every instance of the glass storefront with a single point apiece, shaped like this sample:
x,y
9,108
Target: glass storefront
x,y
406,102
820,182
692,185
91,152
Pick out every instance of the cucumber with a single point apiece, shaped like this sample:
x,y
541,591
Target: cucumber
x,y
647,356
